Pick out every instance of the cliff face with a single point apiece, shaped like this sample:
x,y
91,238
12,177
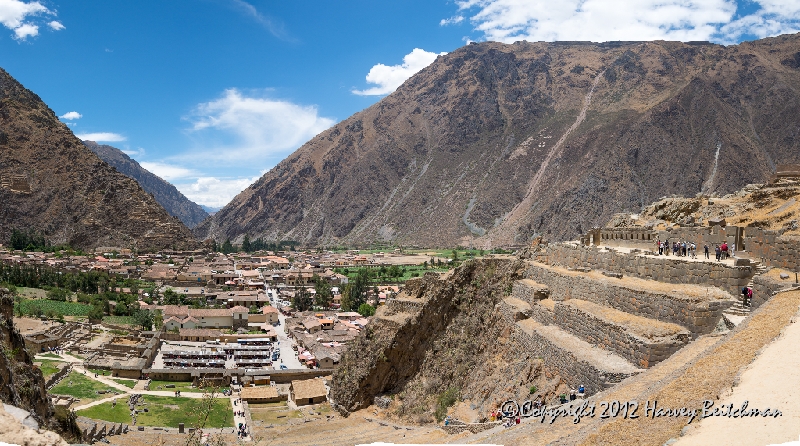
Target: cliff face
x,y
496,143
441,334
50,182
174,202
23,385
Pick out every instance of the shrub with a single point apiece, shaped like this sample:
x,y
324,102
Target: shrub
x,y
532,390
445,400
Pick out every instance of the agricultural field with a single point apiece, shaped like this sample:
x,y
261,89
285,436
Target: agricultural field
x,y
38,307
119,320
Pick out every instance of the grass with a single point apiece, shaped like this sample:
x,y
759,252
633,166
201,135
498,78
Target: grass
x,y
77,385
101,372
183,386
107,412
168,411
273,413
129,383
119,320
43,306
51,355
50,368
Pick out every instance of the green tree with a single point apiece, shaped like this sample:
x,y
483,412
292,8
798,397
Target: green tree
x,y
355,292
58,294
96,313
366,310
324,295
143,318
158,319
301,300
246,246
455,254
227,247
171,297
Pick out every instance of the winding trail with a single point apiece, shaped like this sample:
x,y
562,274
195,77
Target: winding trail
x,y
506,230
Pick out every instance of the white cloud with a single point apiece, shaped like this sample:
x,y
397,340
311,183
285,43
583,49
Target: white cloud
x,y
215,192
389,77
452,20
71,115
139,151
16,14
258,127
604,20
101,136
26,30
166,171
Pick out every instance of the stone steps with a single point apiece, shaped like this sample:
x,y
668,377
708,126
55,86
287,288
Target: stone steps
x,y
575,360
642,341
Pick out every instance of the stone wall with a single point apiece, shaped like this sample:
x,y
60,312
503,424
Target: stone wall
x,y
611,336
764,287
772,248
661,268
561,362
700,316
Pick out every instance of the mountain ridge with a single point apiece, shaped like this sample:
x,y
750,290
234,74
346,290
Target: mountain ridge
x,y
52,184
448,156
165,193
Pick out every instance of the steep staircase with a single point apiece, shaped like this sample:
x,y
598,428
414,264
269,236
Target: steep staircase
x,y
739,309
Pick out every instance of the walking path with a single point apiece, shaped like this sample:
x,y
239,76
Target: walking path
x,y
240,419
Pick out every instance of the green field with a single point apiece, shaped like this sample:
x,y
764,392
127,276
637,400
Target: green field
x,y
183,386
33,307
107,412
51,355
129,383
49,368
77,385
118,320
100,372
168,411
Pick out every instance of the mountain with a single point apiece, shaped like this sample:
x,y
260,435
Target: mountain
x,y
189,212
52,184
493,144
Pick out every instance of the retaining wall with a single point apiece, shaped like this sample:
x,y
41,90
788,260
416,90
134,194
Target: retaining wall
x,y
668,269
700,316
611,336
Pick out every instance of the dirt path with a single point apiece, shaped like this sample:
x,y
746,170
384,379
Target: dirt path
x,y
770,381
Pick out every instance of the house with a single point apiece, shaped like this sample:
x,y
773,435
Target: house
x,y
327,324
312,325
308,391
266,394
239,314
199,334
271,314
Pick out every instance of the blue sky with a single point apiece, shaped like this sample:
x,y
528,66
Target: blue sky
x,y
210,94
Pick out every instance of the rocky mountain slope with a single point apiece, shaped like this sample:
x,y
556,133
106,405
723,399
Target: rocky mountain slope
x,y
493,144
174,202
51,183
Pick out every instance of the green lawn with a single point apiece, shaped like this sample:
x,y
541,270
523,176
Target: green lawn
x,y
129,383
183,386
101,372
274,413
51,355
168,411
105,411
118,320
50,368
77,385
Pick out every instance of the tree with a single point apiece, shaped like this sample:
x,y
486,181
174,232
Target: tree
x,y
455,255
158,319
324,295
58,294
301,300
354,292
144,319
96,313
246,246
227,247
171,297
366,310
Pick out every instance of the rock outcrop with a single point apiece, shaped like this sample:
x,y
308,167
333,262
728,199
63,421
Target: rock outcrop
x,y
23,387
493,144
174,202
52,184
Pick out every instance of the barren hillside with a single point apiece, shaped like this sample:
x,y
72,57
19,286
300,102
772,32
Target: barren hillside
x,y
51,183
493,144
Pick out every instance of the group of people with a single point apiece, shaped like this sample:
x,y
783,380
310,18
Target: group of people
x,y
681,249
509,419
242,432
689,249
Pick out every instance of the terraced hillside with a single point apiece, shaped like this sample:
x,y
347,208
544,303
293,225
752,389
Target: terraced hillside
x,y
52,184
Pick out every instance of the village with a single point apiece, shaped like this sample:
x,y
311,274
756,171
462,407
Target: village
x,y
230,325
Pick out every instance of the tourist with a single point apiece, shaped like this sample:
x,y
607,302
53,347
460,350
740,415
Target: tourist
x,y
718,252
724,250
705,249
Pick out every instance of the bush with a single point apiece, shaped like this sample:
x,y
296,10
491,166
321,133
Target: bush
x,y
366,310
445,400
57,294
532,390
